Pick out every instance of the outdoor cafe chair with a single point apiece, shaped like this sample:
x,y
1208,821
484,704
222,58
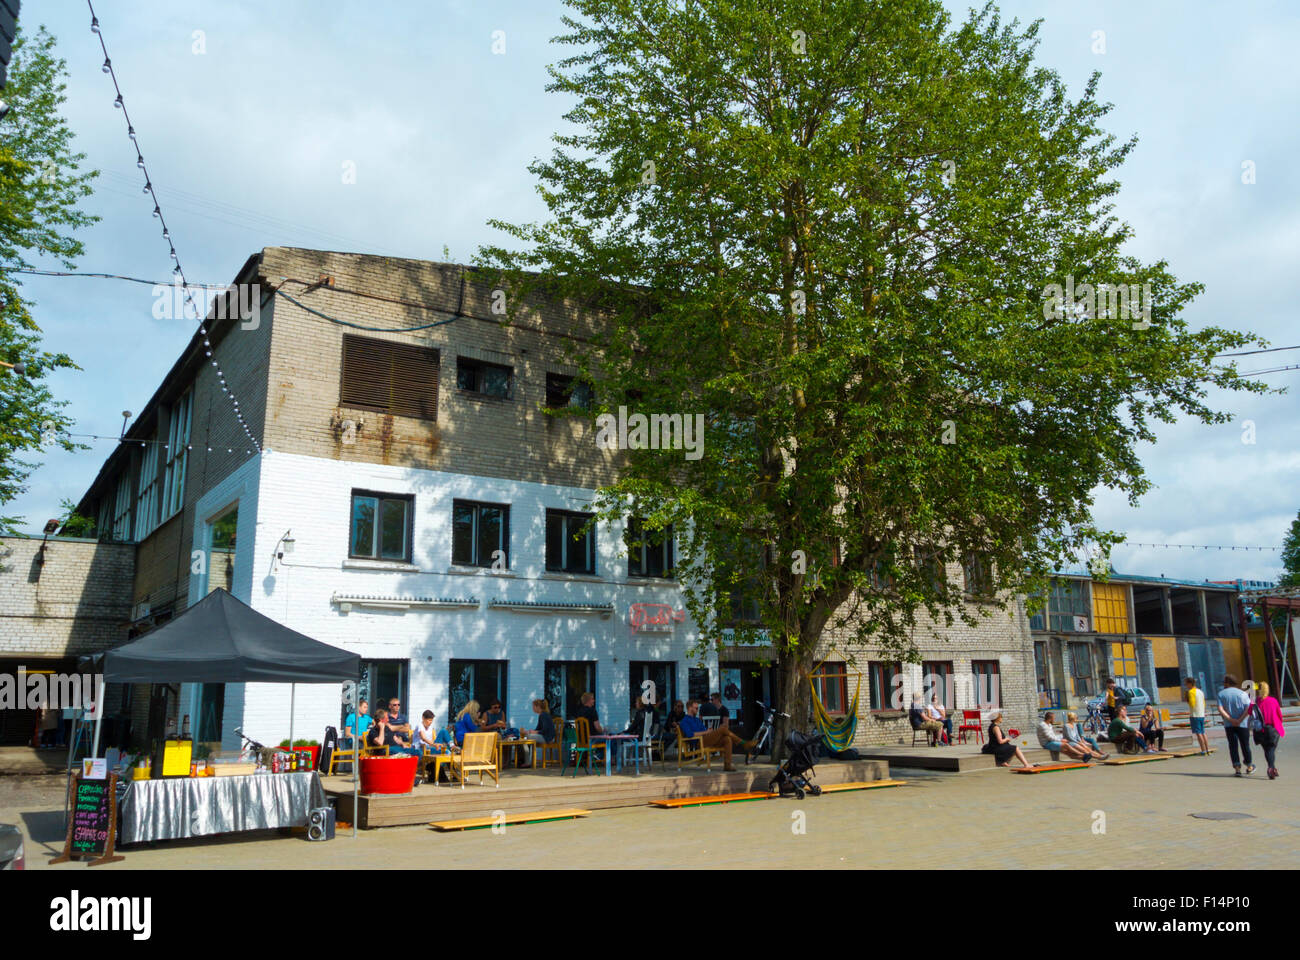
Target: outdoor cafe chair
x,y
644,747
970,722
693,750
557,746
584,744
478,752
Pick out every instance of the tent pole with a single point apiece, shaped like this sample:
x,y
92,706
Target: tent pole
x,y
293,689
99,712
356,763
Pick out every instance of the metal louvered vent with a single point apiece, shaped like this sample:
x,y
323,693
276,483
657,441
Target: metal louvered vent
x,y
387,377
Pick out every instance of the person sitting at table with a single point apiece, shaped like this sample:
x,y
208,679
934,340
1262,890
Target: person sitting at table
x,y
466,721
545,731
1149,727
588,712
495,718
396,720
425,736
692,728
637,711
357,723
383,735
714,708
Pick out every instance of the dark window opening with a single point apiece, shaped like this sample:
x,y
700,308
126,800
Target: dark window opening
x,y
568,548
564,391
488,379
480,534
650,552
381,527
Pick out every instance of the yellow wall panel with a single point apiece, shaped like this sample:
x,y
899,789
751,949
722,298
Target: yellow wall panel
x,y
1164,653
1110,607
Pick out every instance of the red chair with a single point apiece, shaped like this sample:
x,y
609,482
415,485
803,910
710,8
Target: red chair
x,y
970,720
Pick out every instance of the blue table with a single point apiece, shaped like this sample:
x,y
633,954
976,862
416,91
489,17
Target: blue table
x,y
609,739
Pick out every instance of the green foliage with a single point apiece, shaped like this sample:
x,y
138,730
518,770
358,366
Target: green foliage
x,y
74,524
301,743
1291,555
40,185
829,226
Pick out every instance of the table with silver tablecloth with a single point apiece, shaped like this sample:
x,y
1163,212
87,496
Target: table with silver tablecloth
x,y
199,806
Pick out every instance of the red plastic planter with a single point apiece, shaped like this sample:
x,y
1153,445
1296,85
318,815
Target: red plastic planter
x,y
315,755
388,774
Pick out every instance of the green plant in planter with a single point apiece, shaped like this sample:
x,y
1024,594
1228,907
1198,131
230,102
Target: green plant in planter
x,y
300,743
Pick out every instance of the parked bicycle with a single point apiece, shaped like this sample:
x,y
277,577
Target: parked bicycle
x,y
763,735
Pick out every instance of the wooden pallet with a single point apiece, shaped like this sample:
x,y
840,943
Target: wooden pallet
x,y
538,816
674,802
1187,753
861,785
1051,767
1144,758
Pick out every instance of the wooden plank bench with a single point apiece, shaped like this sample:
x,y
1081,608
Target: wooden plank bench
x,y
1142,758
1187,753
861,785
674,802
538,816
1052,767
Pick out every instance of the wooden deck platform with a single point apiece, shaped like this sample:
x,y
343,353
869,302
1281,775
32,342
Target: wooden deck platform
x,y
526,790
1140,758
1050,767
537,816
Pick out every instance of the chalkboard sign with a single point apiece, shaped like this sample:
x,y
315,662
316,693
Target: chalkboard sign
x,y
92,821
697,684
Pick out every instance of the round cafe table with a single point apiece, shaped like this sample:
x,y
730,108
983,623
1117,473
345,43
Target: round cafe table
x,y
388,774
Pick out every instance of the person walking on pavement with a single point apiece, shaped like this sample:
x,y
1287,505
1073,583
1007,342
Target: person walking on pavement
x,y
1234,708
1272,731
1196,706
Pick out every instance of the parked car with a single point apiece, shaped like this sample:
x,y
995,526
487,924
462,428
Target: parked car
x,y
1138,699
11,847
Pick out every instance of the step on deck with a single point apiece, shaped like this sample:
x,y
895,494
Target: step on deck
x,y
538,816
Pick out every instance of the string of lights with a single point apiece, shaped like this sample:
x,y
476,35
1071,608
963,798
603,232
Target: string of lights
x,y
177,271
1194,546
132,441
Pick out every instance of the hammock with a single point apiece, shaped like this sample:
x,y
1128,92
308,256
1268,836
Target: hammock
x,y
836,734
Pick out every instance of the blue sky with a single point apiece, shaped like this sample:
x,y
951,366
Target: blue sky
x,y
247,141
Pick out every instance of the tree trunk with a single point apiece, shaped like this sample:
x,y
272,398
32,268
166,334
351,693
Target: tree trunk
x,y
793,699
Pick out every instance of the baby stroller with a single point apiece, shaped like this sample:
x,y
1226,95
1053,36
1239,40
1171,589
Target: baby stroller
x,y
793,775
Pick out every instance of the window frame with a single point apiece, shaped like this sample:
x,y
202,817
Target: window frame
x,y
1075,675
380,497
641,552
414,406
561,389
977,577
503,544
880,685
568,541
179,426
979,670
948,695
146,498
477,367
832,675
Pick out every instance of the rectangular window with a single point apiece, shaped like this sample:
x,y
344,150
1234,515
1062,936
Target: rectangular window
x,y
988,686
936,678
1040,665
930,565
649,552
480,534
1081,669
381,527
177,454
568,548
979,579
1067,608
481,680
883,685
565,681
488,379
122,508
562,391
387,377
661,677
1123,663
831,683
146,501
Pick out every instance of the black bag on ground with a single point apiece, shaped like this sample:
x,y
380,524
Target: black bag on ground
x,y
849,754
329,743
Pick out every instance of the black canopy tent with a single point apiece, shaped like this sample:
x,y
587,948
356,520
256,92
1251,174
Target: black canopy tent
x,y
223,640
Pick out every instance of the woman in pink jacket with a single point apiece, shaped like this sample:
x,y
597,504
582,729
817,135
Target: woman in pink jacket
x,y
1270,736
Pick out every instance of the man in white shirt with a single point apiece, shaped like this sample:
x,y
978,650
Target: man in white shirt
x,y
1048,740
424,733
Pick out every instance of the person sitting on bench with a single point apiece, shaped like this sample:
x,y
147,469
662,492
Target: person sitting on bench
x,y
919,720
692,727
1122,734
1074,735
1048,740
1149,727
936,711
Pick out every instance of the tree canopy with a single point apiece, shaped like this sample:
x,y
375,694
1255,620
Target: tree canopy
x,y
41,183
844,232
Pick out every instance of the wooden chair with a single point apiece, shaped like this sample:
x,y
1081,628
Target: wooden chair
x,y
479,752
970,722
350,755
548,748
584,745
693,750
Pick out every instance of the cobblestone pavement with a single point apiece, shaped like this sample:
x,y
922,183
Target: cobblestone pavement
x,y
983,819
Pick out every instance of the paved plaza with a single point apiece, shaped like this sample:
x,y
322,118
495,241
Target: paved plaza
x,y
989,818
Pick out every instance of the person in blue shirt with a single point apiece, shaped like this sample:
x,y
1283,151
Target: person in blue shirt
x,y
693,728
357,723
466,721
1234,707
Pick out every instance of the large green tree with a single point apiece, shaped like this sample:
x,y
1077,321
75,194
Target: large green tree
x,y
1291,555
832,227
41,183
